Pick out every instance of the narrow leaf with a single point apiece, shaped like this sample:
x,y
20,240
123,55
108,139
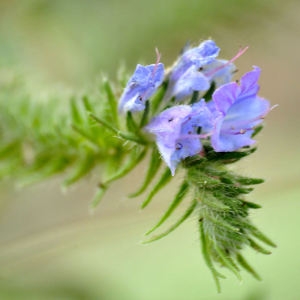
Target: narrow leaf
x,y
144,119
125,135
131,163
249,181
165,178
177,200
257,247
257,130
112,101
206,255
155,163
86,135
75,113
187,213
98,196
157,99
259,235
243,263
229,263
87,104
84,167
195,97
130,123
251,204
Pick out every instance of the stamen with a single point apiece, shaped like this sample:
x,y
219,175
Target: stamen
x,y
240,53
158,56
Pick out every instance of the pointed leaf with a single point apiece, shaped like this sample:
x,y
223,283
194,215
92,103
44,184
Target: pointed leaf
x,y
84,167
155,163
243,263
257,247
75,112
229,263
177,200
112,101
187,213
133,160
130,123
259,235
165,178
98,196
158,97
87,104
144,119
251,204
206,255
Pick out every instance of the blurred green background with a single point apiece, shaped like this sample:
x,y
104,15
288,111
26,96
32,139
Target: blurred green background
x,y
51,247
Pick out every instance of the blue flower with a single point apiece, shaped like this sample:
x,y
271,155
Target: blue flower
x,y
205,53
177,131
237,110
141,86
186,77
219,71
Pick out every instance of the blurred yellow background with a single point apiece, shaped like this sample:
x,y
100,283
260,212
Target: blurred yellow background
x,y
52,248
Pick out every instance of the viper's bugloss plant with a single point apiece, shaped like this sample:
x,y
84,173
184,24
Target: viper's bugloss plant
x,y
192,117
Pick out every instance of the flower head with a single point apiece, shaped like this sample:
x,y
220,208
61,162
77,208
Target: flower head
x,y
176,130
141,86
237,110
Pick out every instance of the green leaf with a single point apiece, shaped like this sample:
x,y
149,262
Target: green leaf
x,y
187,213
144,119
98,196
165,178
177,200
207,258
252,204
86,135
248,180
229,263
257,130
243,263
158,97
257,247
87,104
124,135
130,123
195,97
155,163
133,160
75,112
87,164
112,102
262,237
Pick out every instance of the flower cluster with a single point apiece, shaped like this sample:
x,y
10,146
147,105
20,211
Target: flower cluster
x,y
226,119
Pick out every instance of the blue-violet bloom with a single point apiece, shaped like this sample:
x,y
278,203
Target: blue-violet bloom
x,y
141,86
186,77
219,71
237,110
177,131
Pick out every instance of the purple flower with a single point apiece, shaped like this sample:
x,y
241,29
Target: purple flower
x,y
141,86
237,110
219,71
186,76
176,130
205,53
